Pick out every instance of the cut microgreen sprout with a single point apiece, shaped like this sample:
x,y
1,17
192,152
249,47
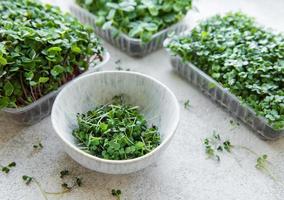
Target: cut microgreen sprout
x,y
76,182
119,67
234,124
64,173
116,131
187,104
116,193
262,164
38,146
27,179
6,169
214,144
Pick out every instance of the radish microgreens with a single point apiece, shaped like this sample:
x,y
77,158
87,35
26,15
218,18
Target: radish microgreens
x,y
138,19
243,57
40,50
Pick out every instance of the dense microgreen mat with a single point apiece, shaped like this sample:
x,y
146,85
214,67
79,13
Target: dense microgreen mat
x,y
116,131
40,50
137,18
242,56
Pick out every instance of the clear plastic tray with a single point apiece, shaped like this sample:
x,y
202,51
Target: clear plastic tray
x,y
132,46
225,98
41,108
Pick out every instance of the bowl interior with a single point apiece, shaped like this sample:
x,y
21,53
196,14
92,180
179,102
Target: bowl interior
x,y
155,100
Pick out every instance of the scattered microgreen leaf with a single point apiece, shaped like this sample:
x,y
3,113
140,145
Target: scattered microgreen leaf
x,y
64,173
78,181
262,162
187,104
6,169
38,146
215,144
116,193
27,179
119,67
234,124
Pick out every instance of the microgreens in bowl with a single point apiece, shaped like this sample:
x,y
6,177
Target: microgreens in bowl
x,y
138,19
40,50
243,57
116,131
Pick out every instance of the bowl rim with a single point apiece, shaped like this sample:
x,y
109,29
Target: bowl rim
x,y
133,160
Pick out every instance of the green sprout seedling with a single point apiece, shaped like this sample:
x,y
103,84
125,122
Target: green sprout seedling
x,y
6,169
187,104
214,145
116,193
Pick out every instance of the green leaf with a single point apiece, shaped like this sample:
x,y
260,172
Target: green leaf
x,y
29,75
125,16
57,70
75,49
4,102
3,61
54,49
146,37
8,88
43,79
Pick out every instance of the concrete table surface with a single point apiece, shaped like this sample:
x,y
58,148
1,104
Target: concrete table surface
x,y
184,172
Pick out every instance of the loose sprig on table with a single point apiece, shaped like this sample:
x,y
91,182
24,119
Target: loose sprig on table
x,y
243,57
214,144
116,131
6,169
38,146
187,104
41,49
119,67
138,19
116,193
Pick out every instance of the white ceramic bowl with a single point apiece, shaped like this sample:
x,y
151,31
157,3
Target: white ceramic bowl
x,y
156,101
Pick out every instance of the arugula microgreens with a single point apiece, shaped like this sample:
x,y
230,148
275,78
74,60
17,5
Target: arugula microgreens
x,y
6,169
214,144
243,57
116,193
115,131
139,19
40,50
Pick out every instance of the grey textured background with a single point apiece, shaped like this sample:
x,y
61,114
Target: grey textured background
x,y
183,172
